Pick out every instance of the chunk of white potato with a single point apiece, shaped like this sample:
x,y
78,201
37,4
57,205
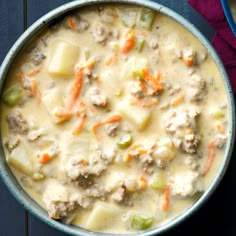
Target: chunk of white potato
x,y
102,215
63,58
52,101
138,116
163,153
19,158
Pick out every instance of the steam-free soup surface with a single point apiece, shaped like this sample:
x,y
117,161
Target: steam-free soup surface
x,y
115,119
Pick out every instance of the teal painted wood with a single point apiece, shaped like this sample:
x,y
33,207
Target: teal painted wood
x,y
12,215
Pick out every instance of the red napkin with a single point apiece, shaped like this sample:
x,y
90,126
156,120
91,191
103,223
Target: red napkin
x,y
224,40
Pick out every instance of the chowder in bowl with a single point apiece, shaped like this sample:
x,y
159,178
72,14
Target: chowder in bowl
x,y
115,118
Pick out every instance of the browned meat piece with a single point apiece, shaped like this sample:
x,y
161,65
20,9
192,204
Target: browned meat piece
x,y
61,209
17,124
135,89
37,57
186,184
119,195
100,34
162,164
191,162
13,142
81,24
35,135
182,125
96,98
111,129
97,191
189,53
93,166
220,140
153,43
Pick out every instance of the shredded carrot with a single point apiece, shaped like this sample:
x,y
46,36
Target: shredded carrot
x,y
79,126
44,158
220,128
111,119
89,65
166,199
112,59
142,182
129,41
39,97
33,86
84,162
64,114
144,102
179,99
75,92
142,86
153,82
34,72
211,154
188,131
21,77
71,23
188,61
127,158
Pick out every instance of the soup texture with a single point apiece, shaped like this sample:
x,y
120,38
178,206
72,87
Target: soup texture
x,y
114,119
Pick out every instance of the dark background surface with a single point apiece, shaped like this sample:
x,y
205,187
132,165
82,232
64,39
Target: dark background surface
x,y
216,217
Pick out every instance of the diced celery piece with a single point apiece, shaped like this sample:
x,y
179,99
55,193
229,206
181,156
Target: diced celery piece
x,y
139,44
13,95
158,181
138,73
125,141
146,18
141,222
217,114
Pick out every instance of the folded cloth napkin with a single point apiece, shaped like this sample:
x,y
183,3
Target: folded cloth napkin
x,y
224,40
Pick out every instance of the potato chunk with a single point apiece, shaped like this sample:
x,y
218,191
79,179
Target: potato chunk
x,y
63,58
52,101
138,116
102,215
19,158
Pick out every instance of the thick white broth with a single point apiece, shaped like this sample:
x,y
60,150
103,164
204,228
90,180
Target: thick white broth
x,y
166,95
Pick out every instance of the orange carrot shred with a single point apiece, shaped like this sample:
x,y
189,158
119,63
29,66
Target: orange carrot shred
x,y
153,82
79,126
220,128
129,41
166,199
34,72
76,89
128,158
71,23
39,97
179,99
44,158
142,182
112,59
111,119
188,61
211,154
33,86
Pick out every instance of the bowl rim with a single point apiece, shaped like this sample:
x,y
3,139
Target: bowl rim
x,y
29,204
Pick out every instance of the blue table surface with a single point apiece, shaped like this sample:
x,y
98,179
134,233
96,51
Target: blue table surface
x,y
216,217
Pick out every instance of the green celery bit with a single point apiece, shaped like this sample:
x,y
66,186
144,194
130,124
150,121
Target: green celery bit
x,y
141,222
138,73
147,18
139,44
13,95
158,182
125,141
218,114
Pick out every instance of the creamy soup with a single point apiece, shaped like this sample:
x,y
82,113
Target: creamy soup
x,y
114,119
